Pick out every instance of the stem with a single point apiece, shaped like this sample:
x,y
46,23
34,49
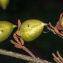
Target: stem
x,y
28,51
23,57
18,45
57,58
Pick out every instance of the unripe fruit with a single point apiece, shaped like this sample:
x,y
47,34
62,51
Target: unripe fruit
x,y
5,30
31,29
4,3
61,21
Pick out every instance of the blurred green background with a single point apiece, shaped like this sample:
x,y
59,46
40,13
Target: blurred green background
x,y
45,10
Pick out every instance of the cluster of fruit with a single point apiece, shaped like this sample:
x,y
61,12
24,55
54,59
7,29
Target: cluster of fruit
x,y
30,29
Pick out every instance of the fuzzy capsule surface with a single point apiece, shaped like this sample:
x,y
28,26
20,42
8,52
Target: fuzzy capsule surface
x,y
6,29
31,29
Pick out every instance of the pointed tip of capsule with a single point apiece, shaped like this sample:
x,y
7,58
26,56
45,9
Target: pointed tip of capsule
x,y
14,26
4,7
44,24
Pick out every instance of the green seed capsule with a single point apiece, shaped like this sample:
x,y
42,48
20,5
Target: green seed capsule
x,y
5,30
61,21
31,29
4,3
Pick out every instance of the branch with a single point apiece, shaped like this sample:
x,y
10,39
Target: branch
x,y
57,57
23,57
